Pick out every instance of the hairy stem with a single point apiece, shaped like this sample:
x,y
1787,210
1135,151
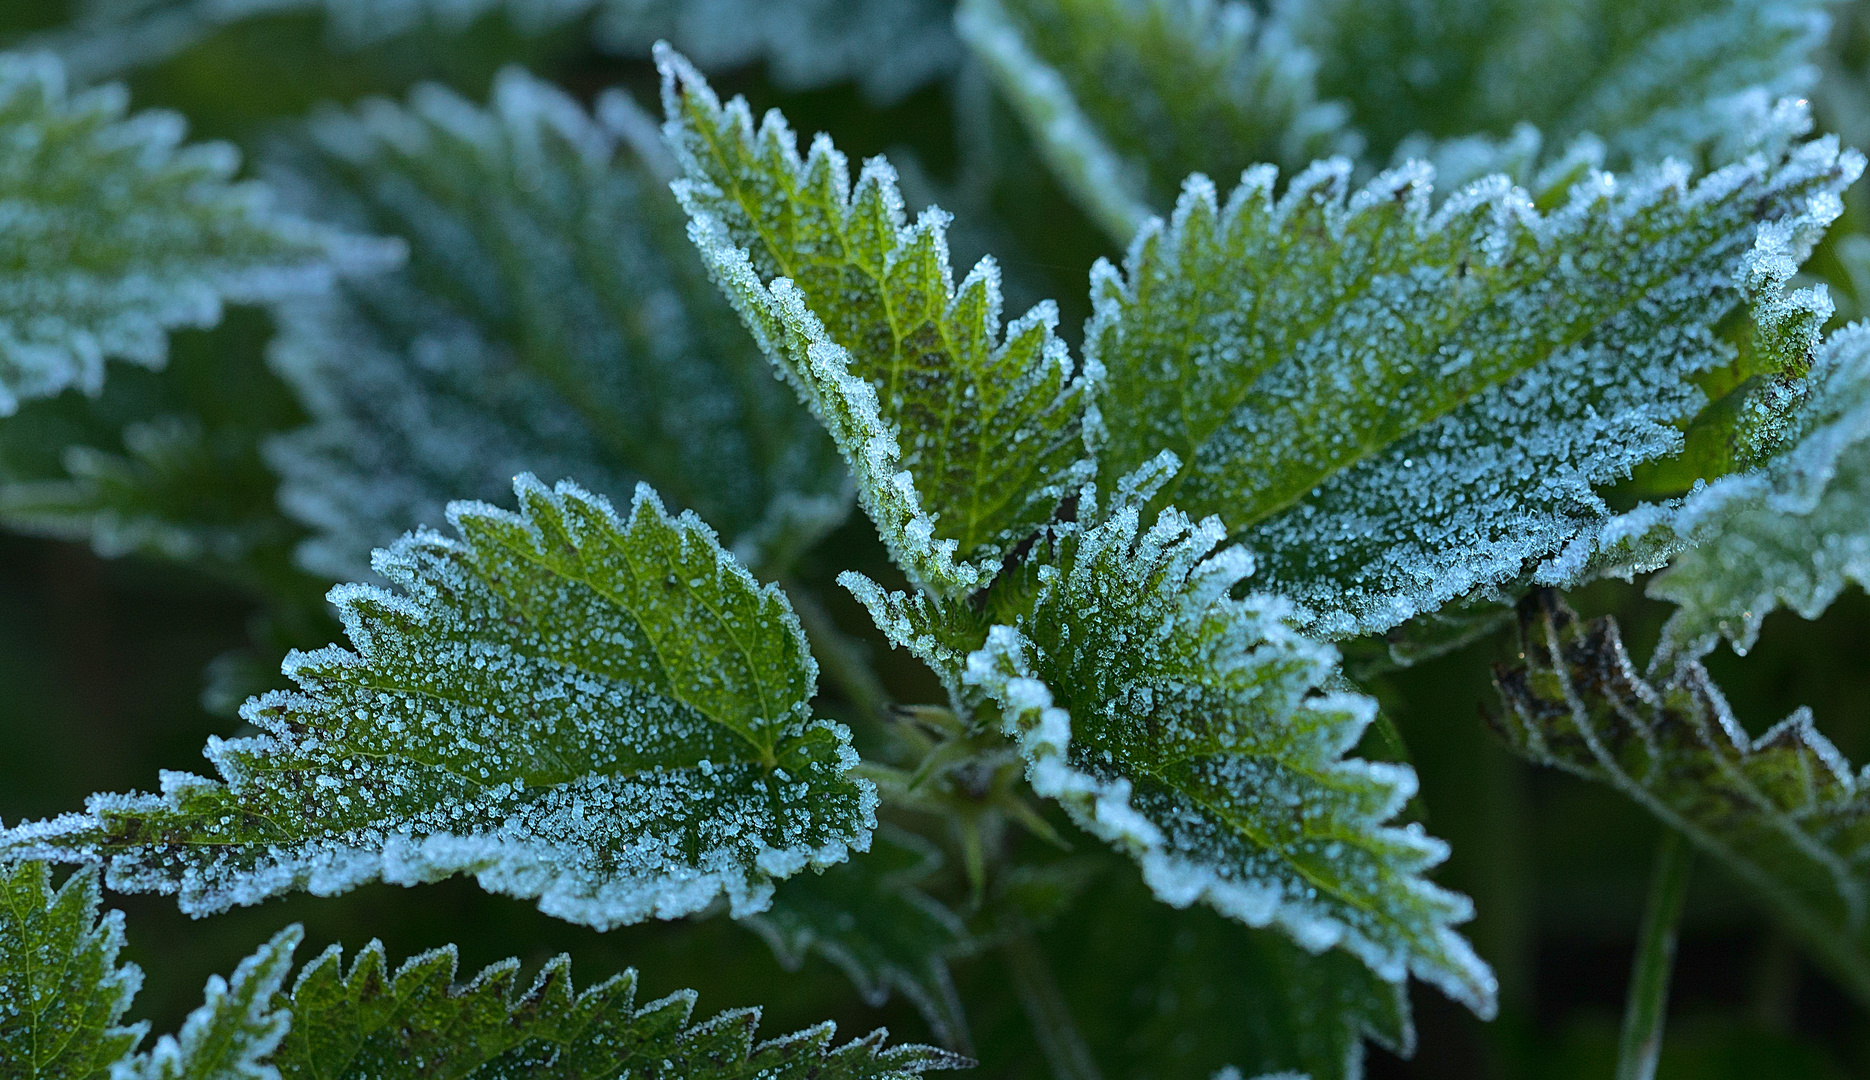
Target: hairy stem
x,y
1648,1001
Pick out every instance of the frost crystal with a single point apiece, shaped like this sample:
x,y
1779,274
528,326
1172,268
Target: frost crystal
x,y
233,1032
1792,533
553,317
1651,77
62,992
609,716
112,233
1127,97
1785,813
963,438
1397,404
1190,730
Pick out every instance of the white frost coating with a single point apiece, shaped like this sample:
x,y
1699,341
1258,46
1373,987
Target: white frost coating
x,y
234,1030
1791,533
1435,419
856,306
554,319
608,716
157,236
1201,744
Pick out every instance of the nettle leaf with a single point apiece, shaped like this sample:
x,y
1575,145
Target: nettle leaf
x,y
1158,992
869,918
416,1022
1792,533
62,992
233,1032
963,438
1127,97
1396,404
553,316
1650,77
112,233
1783,812
608,715
1194,731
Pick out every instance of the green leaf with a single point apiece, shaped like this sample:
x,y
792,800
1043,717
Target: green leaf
x,y
1127,97
1196,733
113,233
1648,76
233,1032
1397,404
1792,533
963,437
62,991
1784,812
553,317
417,1023
608,715
869,918
1159,992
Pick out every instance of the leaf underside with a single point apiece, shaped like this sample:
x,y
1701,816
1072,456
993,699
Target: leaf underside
x,y
608,715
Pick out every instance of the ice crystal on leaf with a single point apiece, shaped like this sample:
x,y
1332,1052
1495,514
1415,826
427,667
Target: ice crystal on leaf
x,y
1396,403
869,918
963,437
112,233
1127,97
1193,731
1785,812
1650,77
553,317
62,992
1792,533
234,1031
417,1022
607,715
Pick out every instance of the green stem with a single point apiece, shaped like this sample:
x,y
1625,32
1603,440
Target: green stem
x,y
1046,1010
840,657
1648,1002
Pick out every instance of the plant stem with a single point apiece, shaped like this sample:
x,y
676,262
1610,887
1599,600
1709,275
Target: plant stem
x,y
1058,1036
1648,1002
840,657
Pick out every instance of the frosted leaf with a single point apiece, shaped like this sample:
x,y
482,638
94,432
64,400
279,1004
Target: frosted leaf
x,y
608,716
1397,404
417,1022
1191,730
62,992
112,233
888,47
235,1029
869,918
1651,77
1784,813
1792,533
1127,97
553,317
963,437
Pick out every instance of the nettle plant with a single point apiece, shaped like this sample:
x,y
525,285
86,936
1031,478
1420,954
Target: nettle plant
x,y
1427,312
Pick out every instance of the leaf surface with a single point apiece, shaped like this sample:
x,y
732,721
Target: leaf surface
x,y
112,233
1196,733
608,715
964,436
235,1029
1127,97
62,992
1785,812
553,317
1397,404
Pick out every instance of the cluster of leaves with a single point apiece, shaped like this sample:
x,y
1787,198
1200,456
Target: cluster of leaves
x,y
1418,339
